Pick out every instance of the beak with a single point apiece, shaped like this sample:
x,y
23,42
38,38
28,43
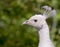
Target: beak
x,y
26,22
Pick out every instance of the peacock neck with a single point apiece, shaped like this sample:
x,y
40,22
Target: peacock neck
x,y
44,37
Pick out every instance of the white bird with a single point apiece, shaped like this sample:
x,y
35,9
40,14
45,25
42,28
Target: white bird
x,y
39,22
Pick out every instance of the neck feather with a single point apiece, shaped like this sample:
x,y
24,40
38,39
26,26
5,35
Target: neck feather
x,y
44,33
44,37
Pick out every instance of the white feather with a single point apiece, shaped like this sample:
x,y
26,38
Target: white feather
x,y
48,11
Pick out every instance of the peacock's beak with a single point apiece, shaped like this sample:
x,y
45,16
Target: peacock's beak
x,y
26,22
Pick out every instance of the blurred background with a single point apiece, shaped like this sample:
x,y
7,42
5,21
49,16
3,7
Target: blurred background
x,y
12,15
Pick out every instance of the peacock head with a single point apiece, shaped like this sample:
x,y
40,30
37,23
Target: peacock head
x,y
36,21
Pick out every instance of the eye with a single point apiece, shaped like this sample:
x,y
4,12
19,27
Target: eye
x,y
35,20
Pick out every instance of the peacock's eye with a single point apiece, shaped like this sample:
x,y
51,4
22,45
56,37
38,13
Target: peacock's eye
x,y
35,20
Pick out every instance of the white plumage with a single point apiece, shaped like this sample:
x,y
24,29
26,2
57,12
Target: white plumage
x,y
39,22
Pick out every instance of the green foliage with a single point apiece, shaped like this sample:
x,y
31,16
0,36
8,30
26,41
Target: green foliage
x,y
12,14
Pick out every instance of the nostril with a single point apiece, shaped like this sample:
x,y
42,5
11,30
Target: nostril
x,y
27,21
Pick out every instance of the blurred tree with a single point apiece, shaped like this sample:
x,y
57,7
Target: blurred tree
x,y
13,13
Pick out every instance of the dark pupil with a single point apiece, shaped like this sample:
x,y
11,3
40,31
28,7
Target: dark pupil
x,y
35,20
